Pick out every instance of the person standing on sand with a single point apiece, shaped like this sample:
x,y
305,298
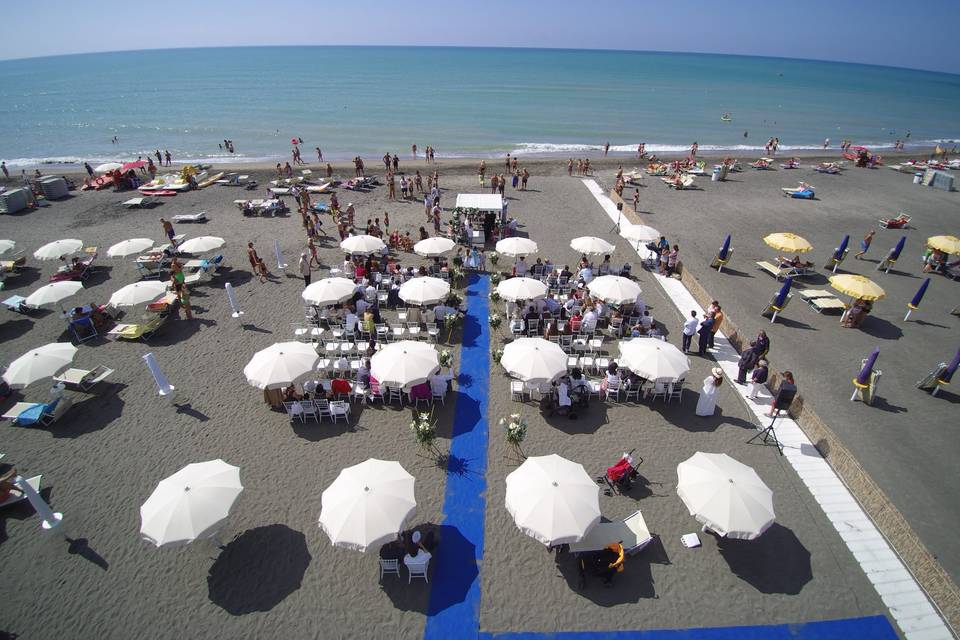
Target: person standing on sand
x,y
304,266
481,172
159,159
636,200
6,172
396,163
166,155
865,244
391,186
826,143
413,148
319,155
506,164
329,170
168,231
523,179
606,149
183,296
569,167
418,181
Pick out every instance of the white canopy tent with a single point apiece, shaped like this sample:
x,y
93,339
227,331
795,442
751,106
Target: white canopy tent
x,y
483,202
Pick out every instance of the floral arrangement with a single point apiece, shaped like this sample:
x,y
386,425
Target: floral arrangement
x,y
458,275
446,358
494,320
515,427
496,353
424,430
493,257
495,296
495,278
450,322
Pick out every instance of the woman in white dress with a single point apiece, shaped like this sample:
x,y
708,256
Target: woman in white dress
x,y
707,403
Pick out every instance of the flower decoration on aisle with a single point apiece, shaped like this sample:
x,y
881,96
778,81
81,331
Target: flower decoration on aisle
x,y
495,278
424,430
494,320
495,296
515,428
493,257
446,358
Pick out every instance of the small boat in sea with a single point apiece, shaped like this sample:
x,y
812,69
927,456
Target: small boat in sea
x,y
726,117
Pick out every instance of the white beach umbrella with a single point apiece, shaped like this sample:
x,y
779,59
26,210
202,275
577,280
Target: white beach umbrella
x,y
534,360
328,291
553,499
522,289
432,247
725,495
424,290
164,388
7,245
362,245
640,233
281,364
129,247
516,247
53,250
201,244
653,359
367,504
52,293
614,289
192,503
591,245
37,364
107,166
232,300
404,363
138,293
281,265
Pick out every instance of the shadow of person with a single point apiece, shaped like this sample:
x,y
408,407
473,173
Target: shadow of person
x,y
81,547
776,562
453,573
258,569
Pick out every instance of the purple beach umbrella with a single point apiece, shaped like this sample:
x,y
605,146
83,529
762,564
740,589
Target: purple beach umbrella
x,y
951,368
895,252
725,249
781,298
862,381
838,254
917,297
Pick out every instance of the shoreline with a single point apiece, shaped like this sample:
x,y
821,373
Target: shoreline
x,y
459,163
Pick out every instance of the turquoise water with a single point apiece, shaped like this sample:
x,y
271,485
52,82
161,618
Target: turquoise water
x,y
476,102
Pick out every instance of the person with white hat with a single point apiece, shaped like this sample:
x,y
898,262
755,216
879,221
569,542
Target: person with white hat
x,y
707,403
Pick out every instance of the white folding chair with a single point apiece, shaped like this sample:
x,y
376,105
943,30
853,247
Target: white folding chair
x,y
676,390
660,388
433,331
613,391
389,566
572,362
323,408
533,328
517,391
413,331
307,408
588,363
340,409
396,394
632,391
398,332
294,410
438,394
418,570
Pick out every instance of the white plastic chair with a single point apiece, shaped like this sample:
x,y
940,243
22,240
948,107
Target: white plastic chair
x,y
389,566
417,570
323,408
433,331
395,394
294,410
340,409
307,408
676,390
413,331
517,391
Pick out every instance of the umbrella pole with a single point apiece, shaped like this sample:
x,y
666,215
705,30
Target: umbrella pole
x,y
906,317
773,318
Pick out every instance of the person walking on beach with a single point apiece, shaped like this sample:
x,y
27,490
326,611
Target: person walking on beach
x,y
304,266
166,155
606,148
168,231
183,297
413,148
689,329
865,244
826,143
636,200
523,179
6,172
319,155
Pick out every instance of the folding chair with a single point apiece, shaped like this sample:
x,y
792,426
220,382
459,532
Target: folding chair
x,y
294,410
340,409
395,394
417,570
323,408
308,408
676,390
389,566
517,391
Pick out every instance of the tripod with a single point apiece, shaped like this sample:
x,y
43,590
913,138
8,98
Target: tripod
x,y
769,434
616,227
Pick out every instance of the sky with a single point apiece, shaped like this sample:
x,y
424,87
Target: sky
x,y
884,32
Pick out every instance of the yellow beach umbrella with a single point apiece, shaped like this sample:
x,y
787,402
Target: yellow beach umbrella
x,y
857,287
789,242
947,244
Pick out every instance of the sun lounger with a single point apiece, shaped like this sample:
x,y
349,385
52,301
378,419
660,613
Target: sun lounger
x,y
10,266
83,379
632,531
900,222
136,331
28,413
141,202
200,216
821,300
16,303
777,272
321,188
78,272
280,191
17,495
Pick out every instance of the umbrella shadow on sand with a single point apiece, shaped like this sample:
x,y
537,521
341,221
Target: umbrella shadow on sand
x,y
258,569
453,570
776,562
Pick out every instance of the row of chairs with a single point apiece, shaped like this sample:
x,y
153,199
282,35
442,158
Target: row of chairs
x,y
318,409
669,390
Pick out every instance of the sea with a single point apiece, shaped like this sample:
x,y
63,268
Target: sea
x,y
464,102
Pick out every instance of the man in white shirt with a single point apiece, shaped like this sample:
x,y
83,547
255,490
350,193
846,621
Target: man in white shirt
x,y
585,275
350,322
370,292
589,320
521,267
689,330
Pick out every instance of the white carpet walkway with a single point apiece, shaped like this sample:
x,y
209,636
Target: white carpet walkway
x,y
906,601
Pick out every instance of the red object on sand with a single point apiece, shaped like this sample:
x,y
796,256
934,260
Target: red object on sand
x,y
617,471
294,141
163,192
133,165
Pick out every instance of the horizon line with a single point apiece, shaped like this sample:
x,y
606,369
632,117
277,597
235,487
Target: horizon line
x,y
446,46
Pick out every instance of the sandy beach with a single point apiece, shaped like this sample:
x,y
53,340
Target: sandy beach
x,y
280,575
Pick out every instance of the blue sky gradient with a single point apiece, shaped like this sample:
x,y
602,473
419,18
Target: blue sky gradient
x,y
883,32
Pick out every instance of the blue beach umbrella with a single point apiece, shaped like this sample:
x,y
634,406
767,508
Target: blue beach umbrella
x,y
862,381
917,297
951,369
781,298
895,252
725,249
838,254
